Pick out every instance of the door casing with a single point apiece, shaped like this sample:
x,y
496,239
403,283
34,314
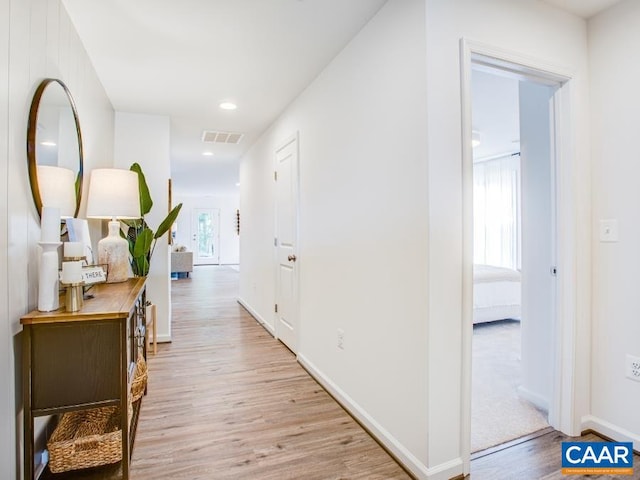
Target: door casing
x,y
562,411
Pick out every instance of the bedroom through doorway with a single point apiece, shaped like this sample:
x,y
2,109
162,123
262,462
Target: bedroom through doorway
x,y
513,257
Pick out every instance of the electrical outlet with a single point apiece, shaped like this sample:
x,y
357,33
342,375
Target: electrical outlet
x,y
341,339
609,230
633,368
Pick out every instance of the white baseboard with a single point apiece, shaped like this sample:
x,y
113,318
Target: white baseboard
x,y
443,471
446,471
257,317
539,401
164,338
609,430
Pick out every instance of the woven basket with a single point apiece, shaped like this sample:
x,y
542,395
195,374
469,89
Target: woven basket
x,y
86,438
139,379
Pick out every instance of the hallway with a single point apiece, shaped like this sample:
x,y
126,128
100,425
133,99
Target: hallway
x,y
227,401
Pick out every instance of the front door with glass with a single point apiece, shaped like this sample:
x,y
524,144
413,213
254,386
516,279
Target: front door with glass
x,y
206,236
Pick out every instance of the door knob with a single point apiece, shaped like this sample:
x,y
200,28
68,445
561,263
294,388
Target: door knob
x,y
292,258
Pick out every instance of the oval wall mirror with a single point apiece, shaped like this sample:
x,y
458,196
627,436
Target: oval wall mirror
x,y
54,149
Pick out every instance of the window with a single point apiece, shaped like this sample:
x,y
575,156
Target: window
x,y
496,212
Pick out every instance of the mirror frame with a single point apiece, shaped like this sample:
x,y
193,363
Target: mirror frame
x,y
31,144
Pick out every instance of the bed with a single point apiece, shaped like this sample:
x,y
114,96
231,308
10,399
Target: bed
x,y
496,293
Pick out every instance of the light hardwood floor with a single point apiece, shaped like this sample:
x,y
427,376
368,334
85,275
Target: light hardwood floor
x,y
539,458
227,401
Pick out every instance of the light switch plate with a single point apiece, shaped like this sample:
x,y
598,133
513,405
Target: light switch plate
x,y
608,230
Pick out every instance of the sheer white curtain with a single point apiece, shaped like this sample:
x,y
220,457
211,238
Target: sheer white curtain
x,y
496,212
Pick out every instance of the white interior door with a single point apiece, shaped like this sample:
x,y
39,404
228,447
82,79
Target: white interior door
x,y
286,177
538,243
205,236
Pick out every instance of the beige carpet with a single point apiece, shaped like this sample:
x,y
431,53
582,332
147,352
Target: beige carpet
x,y
498,414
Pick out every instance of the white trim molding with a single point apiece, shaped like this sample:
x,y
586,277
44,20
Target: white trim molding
x,y
609,430
269,328
164,338
562,406
443,471
533,397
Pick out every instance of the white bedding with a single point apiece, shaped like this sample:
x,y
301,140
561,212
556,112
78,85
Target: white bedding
x,y
496,293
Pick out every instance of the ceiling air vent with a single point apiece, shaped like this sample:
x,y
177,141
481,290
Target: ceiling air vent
x,y
212,136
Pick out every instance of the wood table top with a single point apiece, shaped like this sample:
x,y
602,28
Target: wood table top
x,y
108,301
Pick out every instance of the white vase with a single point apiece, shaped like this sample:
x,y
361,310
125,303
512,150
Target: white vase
x,y
48,286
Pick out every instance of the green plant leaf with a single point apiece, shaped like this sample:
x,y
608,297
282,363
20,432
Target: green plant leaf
x,y
142,244
130,223
140,266
135,228
168,221
145,196
142,240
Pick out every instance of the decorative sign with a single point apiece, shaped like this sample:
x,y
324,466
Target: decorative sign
x,y
93,274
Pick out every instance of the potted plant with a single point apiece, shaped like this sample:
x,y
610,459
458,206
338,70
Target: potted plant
x,y
142,239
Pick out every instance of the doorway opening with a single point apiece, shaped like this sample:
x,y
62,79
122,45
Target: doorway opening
x,y
513,256
205,228
555,394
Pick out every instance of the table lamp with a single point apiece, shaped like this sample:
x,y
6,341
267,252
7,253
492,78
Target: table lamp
x,y
57,189
114,194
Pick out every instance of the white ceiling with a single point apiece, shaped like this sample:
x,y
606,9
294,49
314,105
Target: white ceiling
x,y
582,8
496,98
182,58
496,114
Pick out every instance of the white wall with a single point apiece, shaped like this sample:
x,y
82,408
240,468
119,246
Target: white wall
x,y
257,220
145,139
537,245
227,204
613,39
367,265
7,362
362,232
532,30
37,41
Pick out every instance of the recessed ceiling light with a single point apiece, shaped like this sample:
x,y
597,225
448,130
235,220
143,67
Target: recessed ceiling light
x,y
207,154
237,184
228,106
48,144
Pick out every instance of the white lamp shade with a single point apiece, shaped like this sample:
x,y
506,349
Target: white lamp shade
x,y
57,189
113,193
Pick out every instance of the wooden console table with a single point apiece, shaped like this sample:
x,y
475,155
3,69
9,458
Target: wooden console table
x,y
85,359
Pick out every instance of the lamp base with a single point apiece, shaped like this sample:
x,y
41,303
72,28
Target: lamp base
x,y
113,250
